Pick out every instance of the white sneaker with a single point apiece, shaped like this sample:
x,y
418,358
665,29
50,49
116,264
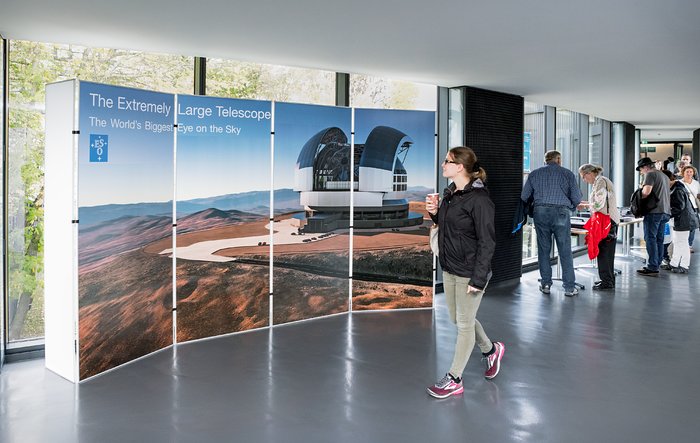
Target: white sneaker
x,y
571,293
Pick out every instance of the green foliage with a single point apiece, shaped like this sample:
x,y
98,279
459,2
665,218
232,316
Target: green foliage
x,y
228,78
241,80
31,66
403,95
298,85
374,92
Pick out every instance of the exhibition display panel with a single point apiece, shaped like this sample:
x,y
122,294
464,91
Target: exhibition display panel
x,y
395,161
177,218
223,216
311,183
109,193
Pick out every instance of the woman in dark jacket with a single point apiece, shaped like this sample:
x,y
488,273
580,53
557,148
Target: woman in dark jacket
x,y
467,242
685,220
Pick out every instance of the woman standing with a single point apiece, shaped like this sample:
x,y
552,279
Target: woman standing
x,y
687,174
467,242
602,199
685,220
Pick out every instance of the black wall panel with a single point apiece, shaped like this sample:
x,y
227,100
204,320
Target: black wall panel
x,y
493,128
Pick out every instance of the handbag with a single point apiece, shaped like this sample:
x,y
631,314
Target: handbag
x,y
434,240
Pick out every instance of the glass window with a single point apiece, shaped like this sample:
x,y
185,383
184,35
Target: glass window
x,y
376,92
568,135
2,198
32,65
533,158
595,141
568,138
533,137
234,79
455,135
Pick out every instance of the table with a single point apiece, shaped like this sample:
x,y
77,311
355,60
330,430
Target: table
x,y
594,262
624,232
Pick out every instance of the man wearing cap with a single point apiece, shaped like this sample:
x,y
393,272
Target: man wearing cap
x,y
555,195
656,185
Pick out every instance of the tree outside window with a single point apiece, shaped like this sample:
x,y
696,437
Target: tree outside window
x,y
31,66
376,92
235,79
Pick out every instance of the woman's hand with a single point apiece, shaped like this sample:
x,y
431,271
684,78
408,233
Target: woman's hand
x,y
583,205
471,288
431,203
431,207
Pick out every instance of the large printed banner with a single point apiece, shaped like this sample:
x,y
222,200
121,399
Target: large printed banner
x,y
394,169
125,176
312,180
223,211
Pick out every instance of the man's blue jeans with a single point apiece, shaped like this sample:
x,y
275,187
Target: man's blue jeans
x,y
654,237
554,220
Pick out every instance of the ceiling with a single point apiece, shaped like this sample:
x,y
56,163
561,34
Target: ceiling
x,y
626,60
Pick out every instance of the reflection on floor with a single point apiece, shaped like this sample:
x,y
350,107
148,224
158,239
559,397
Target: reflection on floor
x,y
601,367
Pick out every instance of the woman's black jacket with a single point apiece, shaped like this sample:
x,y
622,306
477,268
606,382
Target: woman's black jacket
x,y
467,236
684,215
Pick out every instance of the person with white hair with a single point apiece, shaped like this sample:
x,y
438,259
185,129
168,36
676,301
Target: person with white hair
x,y
602,199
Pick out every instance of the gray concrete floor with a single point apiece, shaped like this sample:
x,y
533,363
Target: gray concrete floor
x,y
602,367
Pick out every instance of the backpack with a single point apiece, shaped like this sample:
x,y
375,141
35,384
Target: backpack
x,y
639,207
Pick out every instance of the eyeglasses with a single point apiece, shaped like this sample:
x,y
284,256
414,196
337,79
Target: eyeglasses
x,y
444,162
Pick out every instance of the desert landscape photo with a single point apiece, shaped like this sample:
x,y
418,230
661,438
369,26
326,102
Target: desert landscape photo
x,y
125,293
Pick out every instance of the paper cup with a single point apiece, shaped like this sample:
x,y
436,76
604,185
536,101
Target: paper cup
x,y
434,198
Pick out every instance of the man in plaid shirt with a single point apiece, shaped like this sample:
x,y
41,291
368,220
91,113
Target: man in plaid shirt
x,y
555,194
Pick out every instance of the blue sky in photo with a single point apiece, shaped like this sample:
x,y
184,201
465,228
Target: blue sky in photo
x,y
210,163
139,166
140,161
418,125
295,124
